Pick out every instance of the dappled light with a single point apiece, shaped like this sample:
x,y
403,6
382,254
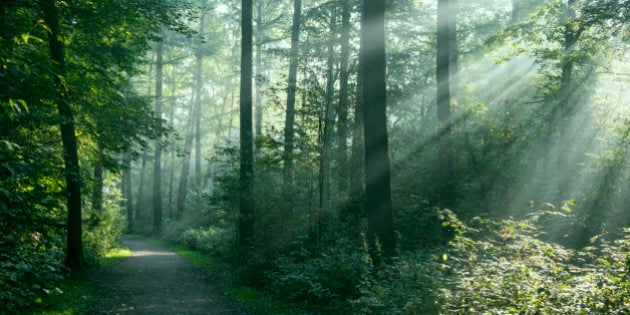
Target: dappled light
x,y
315,157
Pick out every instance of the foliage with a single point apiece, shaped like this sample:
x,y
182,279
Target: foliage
x,y
322,280
502,267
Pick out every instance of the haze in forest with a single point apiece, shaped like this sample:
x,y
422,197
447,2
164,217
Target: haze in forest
x,y
350,157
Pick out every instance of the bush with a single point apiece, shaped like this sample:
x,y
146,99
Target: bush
x,y
324,280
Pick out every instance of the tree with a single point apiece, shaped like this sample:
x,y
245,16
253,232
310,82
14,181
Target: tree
x,y
246,172
377,163
289,122
157,161
342,112
444,57
74,240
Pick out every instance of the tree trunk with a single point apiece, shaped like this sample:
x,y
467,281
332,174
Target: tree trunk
x,y
445,166
74,241
259,69
127,190
140,200
246,206
182,189
97,193
157,162
342,112
377,164
357,166
289,122
198,94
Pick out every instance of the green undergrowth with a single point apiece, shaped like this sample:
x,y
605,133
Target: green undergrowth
x,y
75,293
256,301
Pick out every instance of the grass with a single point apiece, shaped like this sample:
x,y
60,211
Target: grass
x,y
114,256
75,293
256,301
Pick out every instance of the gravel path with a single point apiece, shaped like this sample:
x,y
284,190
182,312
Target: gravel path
x,y
156,281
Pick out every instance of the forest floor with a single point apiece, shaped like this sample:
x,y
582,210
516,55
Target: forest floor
x,y
154,280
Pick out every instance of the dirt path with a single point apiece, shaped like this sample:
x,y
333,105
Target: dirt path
x,y
156,281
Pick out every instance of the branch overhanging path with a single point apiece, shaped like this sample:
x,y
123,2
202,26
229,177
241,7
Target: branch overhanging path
x,y
157,281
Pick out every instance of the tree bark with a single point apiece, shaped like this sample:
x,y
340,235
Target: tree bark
x,y
342,112
246,207
182,189
289,122
74,240
445,166
157,162
97,193
198,94
377,163
259,69
127,190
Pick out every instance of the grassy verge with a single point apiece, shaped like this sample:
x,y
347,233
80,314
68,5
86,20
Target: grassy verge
x,y
257,302
75,293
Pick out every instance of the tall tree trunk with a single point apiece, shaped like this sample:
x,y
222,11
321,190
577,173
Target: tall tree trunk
x,y
571,36
377,164
357,165
445,167
74,241
182,189
259,69
246,206
289,122
157,162
97,193
198,94
140,199
127,190
342,112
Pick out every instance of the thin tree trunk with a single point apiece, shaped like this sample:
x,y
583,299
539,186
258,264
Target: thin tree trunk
x,y
357,165
445,164
198,94
377,164
342,113
97,193
74,241
289,123
140,200
259,69
157,162
182,189
325,129
127,190
246,173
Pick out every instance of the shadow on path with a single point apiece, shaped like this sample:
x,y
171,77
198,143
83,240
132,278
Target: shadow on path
x,y
156,281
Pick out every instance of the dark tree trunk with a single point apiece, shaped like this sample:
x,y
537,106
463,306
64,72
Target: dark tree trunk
x,y
342,113
140,199
157,162
246,206
289,122
259,69
445,166
377,164
74,242
570,40
357,166
127,190
97,193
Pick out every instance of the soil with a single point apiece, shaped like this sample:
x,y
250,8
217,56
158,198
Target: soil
x,y
157,281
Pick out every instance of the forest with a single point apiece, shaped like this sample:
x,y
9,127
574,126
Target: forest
x,y
337,156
